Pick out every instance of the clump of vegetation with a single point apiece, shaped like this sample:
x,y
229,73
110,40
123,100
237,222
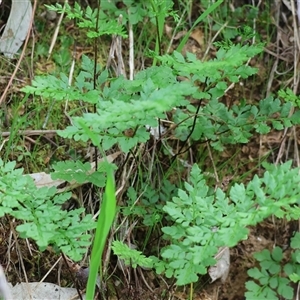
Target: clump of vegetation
x,y
193,218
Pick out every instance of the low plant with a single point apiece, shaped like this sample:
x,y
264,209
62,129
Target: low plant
x,y
139,103
289,96
200,221
148,208
87,19
40,216
131,257
39,213
273,278
203,222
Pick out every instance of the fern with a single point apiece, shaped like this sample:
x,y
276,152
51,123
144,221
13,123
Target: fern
x,y
131,257
138,104
271,278
87,19
79,172
115,115
204,222
41,214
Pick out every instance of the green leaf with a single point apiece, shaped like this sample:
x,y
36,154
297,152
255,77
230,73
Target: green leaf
x,y
273,282
273,268
277,254
130,256
255,273
284,289
210,9
264,255
294,277
253,291
71,170
295,241
187,275
105,220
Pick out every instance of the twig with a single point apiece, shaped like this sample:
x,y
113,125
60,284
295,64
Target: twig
x,y
213,164
212,40
131,51
45,276
191,131
53,41
30,132
175,31
20,257
72,276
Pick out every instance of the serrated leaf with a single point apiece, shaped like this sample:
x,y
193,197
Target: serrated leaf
x,y
284,289
294,277
131,256
295,241
71,170
255,273
273,282
263,255
277,254
187,275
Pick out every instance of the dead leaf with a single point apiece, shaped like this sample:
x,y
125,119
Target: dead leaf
x,y
16,28
180,34
221,268
43,290
198,36
168,30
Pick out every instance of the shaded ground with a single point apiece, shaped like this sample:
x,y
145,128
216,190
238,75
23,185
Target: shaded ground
x,y
275,26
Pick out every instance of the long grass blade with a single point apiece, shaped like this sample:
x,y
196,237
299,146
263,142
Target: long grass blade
x,y
201,18
105,220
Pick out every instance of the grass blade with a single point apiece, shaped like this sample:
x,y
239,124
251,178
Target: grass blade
x,y
201,18
105,220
